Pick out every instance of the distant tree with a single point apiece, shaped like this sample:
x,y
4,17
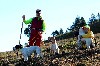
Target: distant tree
x,y
92,19
75,25
61,31
82,22
79,22
53,33
66,31
71,28
94,23
56,32
98,17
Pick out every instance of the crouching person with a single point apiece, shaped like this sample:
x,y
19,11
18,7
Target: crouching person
x,y
54,47
88,36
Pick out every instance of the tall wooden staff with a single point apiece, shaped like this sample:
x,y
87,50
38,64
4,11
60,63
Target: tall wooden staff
x,y
21,28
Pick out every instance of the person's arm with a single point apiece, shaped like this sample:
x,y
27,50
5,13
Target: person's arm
x,y
88,35
26,21
44,26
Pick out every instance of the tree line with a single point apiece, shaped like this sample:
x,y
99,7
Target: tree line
x,y
93,22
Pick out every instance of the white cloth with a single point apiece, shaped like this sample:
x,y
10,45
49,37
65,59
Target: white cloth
x,y
27,51
81,32
88,41
54,48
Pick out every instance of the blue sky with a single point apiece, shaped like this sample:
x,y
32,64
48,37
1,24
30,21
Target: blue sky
x,y
56,13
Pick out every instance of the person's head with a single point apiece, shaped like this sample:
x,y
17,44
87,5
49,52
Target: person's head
x,y
86,28
38,12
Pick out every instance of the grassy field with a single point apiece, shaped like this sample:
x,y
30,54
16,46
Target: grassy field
x,y
69,56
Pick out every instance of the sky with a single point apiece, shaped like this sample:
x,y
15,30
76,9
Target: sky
x,y
56,14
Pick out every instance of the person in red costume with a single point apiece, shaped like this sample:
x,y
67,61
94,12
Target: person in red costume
x,y
37,28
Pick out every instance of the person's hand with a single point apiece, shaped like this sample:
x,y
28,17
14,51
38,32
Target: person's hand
x,y
23,17
40,32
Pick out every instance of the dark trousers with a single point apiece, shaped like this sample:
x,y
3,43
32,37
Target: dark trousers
x,y
35,38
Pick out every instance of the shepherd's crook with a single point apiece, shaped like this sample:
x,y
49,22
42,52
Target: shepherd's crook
x,y
21,32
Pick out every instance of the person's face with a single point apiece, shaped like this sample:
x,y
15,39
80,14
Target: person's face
x,y
86,30
38,14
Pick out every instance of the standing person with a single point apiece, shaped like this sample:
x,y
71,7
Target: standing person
x,y
36,29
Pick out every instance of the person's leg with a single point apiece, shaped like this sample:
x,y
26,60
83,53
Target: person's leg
x,y
32,38
52,49
38,40
88,42
57,50
79,37
93,44
79,42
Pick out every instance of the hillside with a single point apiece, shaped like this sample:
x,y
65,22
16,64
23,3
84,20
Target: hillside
x,y
69,56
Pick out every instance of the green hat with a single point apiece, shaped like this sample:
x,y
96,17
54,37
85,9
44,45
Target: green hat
x,y
86,27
